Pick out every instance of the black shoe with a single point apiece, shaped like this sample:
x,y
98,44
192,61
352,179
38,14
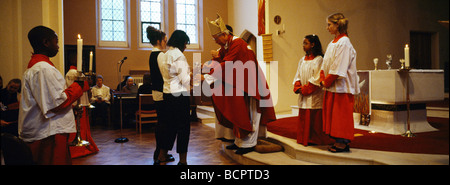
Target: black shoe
x,y
157,162
180,163
232,147
169,158
242,151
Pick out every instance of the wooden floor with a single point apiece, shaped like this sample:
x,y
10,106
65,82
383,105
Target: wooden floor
x,y
203,149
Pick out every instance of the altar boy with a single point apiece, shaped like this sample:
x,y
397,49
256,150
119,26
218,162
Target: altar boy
x,y
45,113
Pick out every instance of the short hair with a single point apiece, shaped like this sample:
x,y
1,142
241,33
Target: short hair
x,y
147,79
37,35
340,20
178,39
15,80
317,49
154,35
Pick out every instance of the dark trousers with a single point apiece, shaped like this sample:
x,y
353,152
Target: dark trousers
x,y
176,124
101,110
160,110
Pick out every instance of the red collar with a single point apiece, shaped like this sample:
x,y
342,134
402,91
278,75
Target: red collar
x,y
309,57
339,37
36,58
73,67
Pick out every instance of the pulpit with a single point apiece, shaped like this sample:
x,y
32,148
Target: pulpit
x,y
387,99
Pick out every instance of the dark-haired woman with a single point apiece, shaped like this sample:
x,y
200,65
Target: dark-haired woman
x,y
310,94
159,41
176,74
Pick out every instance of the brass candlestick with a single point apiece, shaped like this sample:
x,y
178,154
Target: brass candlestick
x,y
78,110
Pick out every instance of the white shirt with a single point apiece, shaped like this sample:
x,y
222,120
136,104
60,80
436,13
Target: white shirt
x,y
307,70
43,90
158,96
340,59
175,71
101,92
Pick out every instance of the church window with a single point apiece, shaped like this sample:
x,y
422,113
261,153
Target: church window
x,y
151,14
187,20
113,23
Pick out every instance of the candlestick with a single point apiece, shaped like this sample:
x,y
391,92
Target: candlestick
x,y
90,61
79,54
375,63
406,56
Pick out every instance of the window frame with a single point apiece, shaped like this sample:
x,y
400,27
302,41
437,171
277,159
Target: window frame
x,y
115,44
198,23
140,23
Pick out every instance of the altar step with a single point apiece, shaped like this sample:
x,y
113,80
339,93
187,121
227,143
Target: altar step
x,y
205,114
297,154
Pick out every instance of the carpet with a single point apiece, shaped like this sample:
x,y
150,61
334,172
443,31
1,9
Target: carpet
x,y
436,142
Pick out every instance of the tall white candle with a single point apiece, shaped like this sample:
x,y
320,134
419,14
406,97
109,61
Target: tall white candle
x,y
90,61
79,54
406,56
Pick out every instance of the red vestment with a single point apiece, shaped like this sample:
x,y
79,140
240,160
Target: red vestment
x,y
233,111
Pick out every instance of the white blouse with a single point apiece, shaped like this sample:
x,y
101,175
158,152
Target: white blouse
x,y
43,90
176,72
307,70
340,59
101,92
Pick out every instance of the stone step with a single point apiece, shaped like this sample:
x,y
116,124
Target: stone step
x,y
205,114
255,158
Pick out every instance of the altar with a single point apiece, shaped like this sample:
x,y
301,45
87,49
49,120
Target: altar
x,y
386,99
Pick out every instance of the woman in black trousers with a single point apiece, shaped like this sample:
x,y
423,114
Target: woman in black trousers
x,y
176,74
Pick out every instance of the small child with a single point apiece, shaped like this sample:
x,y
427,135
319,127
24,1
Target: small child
x,y
339,78
310,95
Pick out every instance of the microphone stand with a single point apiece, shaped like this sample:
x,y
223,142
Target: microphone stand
x,y
121,139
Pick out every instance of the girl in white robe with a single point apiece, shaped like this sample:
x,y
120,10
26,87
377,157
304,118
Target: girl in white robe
x,y
310,95
340,80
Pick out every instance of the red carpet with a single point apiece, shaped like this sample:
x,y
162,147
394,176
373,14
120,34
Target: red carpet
x,y
436,142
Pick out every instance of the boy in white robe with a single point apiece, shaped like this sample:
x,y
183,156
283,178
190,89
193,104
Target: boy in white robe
x,y
45,114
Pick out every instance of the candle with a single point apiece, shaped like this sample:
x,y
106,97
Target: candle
x,y
79,54
406,56
90,61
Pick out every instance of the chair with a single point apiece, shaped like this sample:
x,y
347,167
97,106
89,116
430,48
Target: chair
x,y
15,151
145,99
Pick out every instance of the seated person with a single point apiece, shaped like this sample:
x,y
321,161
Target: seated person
x,y
146,88
130,87
9,112
123,83
100,99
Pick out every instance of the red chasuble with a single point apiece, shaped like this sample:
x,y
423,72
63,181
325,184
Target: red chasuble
x,y
233,111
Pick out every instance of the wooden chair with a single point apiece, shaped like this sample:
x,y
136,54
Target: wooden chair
x,y
145,99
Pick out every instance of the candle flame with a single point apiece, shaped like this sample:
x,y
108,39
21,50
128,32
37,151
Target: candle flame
x,y
79,36
406,45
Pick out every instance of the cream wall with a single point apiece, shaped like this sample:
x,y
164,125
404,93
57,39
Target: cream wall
x,y
18,17
80,17
376,28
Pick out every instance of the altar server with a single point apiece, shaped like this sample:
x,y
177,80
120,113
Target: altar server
x,y
45,115
339,78
310,94
249,103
